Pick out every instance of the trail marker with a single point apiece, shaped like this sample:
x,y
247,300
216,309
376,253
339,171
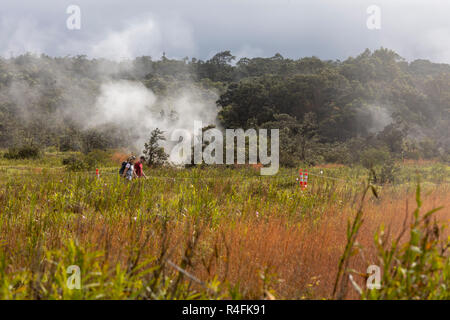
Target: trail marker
x,y
97,173
303,180
300,172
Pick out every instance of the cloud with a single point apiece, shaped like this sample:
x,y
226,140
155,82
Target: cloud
x,y
329,29
146,36
23,35
248,51
437,41
143,34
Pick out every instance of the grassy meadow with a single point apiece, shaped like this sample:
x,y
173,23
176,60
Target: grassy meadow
x,y
221,233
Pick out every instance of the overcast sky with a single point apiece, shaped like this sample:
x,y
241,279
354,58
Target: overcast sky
x,y
329,29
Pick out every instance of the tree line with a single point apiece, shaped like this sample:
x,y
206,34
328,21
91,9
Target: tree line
x,y
326,110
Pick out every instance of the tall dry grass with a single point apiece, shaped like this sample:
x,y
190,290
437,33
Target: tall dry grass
x,y
257,238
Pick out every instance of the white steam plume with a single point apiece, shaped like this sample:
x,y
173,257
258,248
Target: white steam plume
x,y
378,117
132,106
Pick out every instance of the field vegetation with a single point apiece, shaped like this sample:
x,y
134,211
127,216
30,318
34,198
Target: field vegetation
x,y
221,233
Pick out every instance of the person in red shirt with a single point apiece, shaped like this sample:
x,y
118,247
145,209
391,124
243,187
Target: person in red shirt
x,y
138,168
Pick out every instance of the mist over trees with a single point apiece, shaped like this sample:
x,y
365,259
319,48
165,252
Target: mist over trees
x,y
327,111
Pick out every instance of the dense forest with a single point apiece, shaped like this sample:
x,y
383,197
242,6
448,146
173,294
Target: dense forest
x,y
373,105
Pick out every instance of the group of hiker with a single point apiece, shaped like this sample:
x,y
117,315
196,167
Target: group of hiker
x,y
133,169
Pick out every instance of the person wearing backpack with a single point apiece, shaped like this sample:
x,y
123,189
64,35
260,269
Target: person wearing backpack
x,y
122,168
128,169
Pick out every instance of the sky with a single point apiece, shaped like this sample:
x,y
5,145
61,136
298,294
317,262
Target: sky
x,y
328,29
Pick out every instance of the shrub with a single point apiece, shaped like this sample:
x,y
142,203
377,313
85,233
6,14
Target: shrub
x,y
92,140
429,148
92,160
154,153
74,163
68,143
24,152
388,172
51,149
445,157
373,157
97,158
337,153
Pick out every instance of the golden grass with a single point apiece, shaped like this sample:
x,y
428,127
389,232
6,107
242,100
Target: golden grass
x,y
263,250
304,257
